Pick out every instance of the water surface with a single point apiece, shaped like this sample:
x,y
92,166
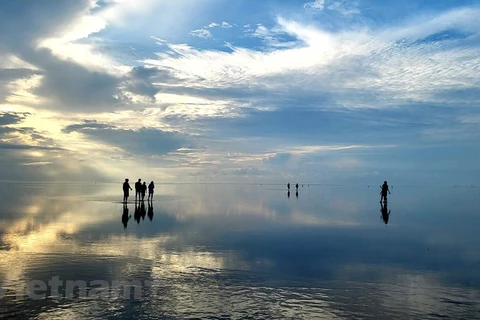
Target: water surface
x,y
226,251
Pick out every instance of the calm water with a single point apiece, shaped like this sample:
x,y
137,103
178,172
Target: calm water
x,y
239,252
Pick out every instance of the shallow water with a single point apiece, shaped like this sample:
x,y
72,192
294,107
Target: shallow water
x,y
230,251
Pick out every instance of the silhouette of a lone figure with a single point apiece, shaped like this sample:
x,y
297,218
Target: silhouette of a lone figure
x,y
125,216
138,189
288,186
385,212
151,186
296,186
126,190
143,190
383,193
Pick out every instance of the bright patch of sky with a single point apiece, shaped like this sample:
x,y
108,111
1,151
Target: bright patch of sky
x,y
328,91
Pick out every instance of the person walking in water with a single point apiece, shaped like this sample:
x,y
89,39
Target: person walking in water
x,y
126,190
296,187
144,190
151,186
288,186
138,189
383,193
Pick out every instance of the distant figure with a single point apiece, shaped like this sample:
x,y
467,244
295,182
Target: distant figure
x,y
296,186
126,190
288,186
138,189
151,186
288,194
383,193
144,190
125,216
385,212
150,211
296,194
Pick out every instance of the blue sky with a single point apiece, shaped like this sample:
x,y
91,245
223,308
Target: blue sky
x,y
329,91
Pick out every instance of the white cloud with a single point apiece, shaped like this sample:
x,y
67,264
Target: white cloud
x,y
226,25
201,33
315,5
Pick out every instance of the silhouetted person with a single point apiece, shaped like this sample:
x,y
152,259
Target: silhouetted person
x,y
150,211
151,186
383,193
125,216
296,186
385,212
143,211
138,189
288,194
137,215
126,190
288,186
144,189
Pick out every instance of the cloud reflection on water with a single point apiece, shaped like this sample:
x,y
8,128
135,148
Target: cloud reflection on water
x,y
244,249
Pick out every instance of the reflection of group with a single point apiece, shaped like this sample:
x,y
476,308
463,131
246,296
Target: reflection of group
x,y
140,212
140,191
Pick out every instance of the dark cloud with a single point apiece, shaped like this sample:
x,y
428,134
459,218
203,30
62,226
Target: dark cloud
x,y
141,80
72,86
87,124
68,85
7,118
26,147
147,141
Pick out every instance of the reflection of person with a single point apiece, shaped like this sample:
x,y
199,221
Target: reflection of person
x,y
143,211
144,189
138,188
385,212
383,193
136,215
150,210
151,186
126,190
125,216
296,194
288,194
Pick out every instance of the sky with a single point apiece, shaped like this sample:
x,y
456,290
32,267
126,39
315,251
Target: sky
x,y
274,91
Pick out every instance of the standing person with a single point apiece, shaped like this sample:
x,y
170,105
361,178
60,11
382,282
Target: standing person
x,y
126,190
383,193
144,189
138,189
151,186
296,186
288,186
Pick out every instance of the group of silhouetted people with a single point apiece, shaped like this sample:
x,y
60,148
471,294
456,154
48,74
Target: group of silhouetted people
x,y
140,190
